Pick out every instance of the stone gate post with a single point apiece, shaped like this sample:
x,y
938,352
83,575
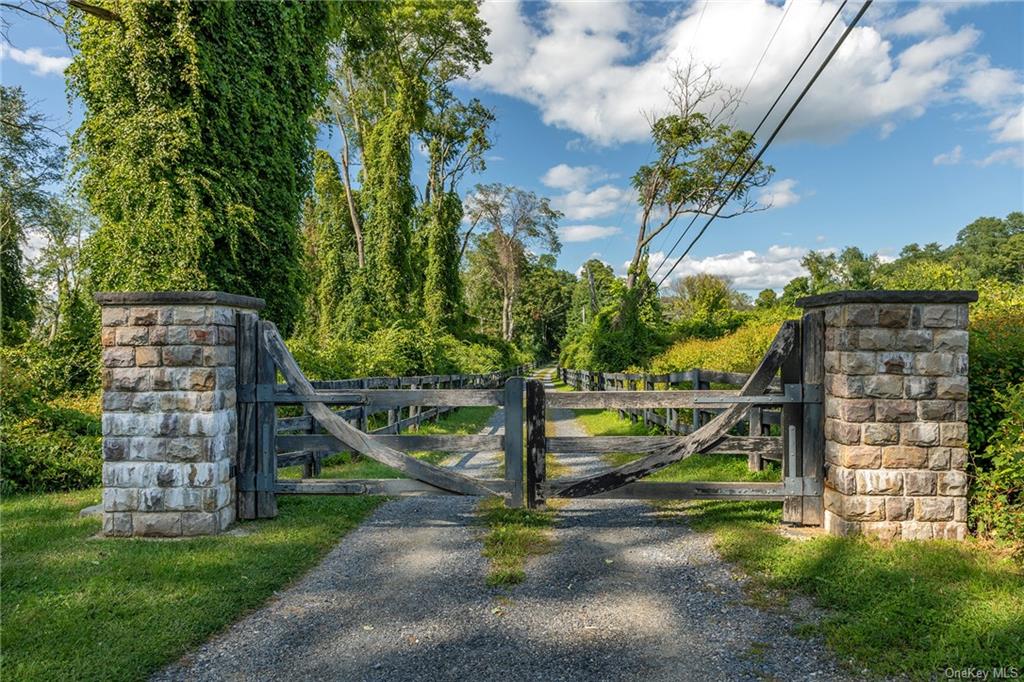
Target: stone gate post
x,y
895,399
169,422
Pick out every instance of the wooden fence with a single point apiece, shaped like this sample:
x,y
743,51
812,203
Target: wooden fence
x,y
675,420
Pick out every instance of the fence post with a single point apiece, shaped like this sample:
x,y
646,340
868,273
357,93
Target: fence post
x,y
754,459
792,434
266,422
514,439
648,386
248,432
813,451
536,443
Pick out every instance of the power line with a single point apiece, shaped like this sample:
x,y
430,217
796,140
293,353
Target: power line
x,y
753,135
774,134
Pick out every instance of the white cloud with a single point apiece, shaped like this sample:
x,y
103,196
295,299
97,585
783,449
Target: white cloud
x,y
989,86
886,130
780,194
746,269
602,201
1009,127
586,233
1014,155
564,176
925,20
950,158
41,64
595,72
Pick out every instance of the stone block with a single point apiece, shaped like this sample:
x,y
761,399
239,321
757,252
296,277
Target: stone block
x,y
904,457
863,508
117,524
895,410
182,356
842,432
108,336
219,356
856,362
872,482
913,340
953,434
119,356
841,479
950,530
919,433
117,401
854,410
129,379
919,483
951,388
944,316
874,338
875,433
203,335
860,456
894,362
883,386
832,361
950,340
113,317
959,508
147,356
200,523
201,380
958,458
120,499
115,449
920,388
934,364
132,336
882,530
221,315
895,316
961,363
952,483
936,410
915,530
837,525
177,335
933,509
857,315
191,315
899,508
143,316
226,335
167,524
938,458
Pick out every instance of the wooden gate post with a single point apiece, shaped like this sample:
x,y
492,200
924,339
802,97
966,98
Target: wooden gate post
x,y
792,438
812,334
536,443
514,439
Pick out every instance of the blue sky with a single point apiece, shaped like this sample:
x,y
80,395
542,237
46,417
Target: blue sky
x,y
915,129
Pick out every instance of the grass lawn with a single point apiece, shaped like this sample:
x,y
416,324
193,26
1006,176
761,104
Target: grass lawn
x,y
79,607
512,536
907,608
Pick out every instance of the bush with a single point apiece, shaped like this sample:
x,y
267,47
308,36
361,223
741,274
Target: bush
x,y
740,351
47,445
997,504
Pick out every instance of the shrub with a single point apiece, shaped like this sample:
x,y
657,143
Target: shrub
x,y
47,446
740,351
997,504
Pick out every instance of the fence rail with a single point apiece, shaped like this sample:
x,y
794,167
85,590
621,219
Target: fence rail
x,y
647,391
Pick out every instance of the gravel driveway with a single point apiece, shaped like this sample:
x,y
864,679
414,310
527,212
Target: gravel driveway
x,y
623,596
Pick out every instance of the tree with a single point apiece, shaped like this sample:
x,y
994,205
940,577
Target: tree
x,y
992,247
29,161
588,300
516,220
193,155
694,169
702,296
543,306
767,298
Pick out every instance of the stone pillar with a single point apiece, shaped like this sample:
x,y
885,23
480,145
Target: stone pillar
x,y
895,399
169,422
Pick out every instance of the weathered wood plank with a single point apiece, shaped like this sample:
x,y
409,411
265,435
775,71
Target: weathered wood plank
x,y
441,442
792,423
359,441
767,447
514,440
382,486
631,399
246,342
381,399
699,440
536,450
656,490
813,450
266,416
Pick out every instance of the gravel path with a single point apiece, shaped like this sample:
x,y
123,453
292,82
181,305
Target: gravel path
x,y
622,597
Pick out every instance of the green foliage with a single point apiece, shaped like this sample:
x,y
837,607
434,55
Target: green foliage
x,y
992,247
997,504
740,351
16,314
542,307
513,535
195,148
442,284
47,444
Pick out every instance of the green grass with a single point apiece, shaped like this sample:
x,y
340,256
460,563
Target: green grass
x,y
513,535
907,608
80,607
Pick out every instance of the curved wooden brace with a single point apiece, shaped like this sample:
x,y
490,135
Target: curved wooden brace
x,y
356,439
702,439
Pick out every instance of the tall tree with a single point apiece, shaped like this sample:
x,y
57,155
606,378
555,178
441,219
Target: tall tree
x,y
29,162
193,155
694,169
516,221
542,308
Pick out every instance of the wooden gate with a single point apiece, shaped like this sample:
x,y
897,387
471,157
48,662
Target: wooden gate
x,y
796,354
266,442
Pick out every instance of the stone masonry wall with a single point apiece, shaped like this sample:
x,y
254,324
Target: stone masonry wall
x,y
895,400
169,416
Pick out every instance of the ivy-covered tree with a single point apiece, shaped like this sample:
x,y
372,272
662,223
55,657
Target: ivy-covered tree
x,y
195,148
543,306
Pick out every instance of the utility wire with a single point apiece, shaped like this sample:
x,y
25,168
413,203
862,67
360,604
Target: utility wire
x,y
774,134
753,135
